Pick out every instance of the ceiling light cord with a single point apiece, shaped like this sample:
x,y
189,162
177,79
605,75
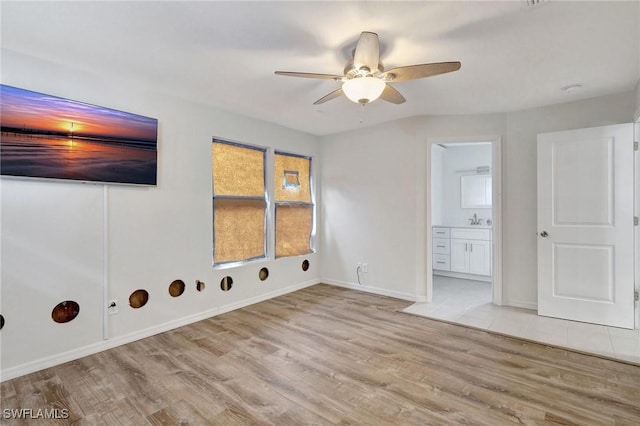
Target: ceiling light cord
x,y
363,113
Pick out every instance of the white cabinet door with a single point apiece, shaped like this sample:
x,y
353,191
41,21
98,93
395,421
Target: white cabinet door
x,y
480,257
471,256
585,225
459,255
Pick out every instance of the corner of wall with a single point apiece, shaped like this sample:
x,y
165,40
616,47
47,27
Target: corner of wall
x,y
636,116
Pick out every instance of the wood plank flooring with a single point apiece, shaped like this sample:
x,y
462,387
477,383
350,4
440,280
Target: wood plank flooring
x,y
327,355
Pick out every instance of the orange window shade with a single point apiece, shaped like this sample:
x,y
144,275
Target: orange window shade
x,y
239,229
237,170
285,168
293,230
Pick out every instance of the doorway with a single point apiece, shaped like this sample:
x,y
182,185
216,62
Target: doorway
x,y
463,226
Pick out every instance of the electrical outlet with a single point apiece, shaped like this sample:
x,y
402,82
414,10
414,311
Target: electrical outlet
x,y
365,267
113,307
359,266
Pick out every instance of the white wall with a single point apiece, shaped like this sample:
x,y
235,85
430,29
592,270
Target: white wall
x,y
520,187
374,201
52,232
456,158
374,193
371,198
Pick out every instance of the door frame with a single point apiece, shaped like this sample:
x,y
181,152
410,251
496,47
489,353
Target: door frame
x,y
636,193
496,240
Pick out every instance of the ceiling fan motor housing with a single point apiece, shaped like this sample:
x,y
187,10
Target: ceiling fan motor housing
x,y
351,71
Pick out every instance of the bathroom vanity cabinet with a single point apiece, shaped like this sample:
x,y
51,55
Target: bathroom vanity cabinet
x,y
462,251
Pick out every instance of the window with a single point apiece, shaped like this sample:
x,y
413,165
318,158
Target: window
x,y
241,213
294,205
239,202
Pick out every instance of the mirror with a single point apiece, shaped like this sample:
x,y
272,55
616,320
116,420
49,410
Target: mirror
x,y
475,191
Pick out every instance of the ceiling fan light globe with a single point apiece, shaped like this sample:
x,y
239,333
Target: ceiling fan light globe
x,y
363,89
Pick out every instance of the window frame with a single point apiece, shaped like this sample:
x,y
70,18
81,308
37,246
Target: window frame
x,y
311,203
267,214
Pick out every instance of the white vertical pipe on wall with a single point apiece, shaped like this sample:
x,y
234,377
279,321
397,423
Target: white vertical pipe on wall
x,y
105,262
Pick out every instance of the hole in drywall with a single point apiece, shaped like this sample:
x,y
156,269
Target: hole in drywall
x,y
138,298
176,288
1,322
305,265
199,285
263,274
226,283
65,311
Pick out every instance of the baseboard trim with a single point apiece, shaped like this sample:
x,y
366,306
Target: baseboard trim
x,y
375,290
266,296
460,275
521,304
51,361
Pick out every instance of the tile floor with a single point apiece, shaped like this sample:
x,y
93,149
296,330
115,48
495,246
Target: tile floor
x,y
469,303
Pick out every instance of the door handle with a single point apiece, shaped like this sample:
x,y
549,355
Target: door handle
x,y
544,234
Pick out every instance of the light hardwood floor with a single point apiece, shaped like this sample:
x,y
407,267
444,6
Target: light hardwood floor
x,y
327,355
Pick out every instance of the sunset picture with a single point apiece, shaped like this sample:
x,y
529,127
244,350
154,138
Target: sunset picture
x,y
45,136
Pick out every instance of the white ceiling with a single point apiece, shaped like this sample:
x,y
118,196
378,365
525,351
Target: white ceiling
x,y
513,56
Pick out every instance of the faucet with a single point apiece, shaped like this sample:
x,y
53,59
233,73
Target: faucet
x,y
475,221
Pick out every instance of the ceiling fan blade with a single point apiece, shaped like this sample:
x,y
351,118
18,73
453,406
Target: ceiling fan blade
x,y
328,97
390,94
309,75
413,72
367,51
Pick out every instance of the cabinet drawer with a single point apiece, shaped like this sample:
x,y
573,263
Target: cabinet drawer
x,y
471,234
441,262
440,232
441,245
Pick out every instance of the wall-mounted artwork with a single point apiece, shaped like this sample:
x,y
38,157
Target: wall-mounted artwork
x,y
45,136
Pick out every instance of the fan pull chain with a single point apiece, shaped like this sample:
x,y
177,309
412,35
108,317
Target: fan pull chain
x,y
362,114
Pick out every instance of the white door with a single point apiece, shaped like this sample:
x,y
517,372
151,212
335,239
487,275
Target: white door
x,y
480,257
585,225
459,255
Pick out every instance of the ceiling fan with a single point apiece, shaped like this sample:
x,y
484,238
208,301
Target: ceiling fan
x,y
365,79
